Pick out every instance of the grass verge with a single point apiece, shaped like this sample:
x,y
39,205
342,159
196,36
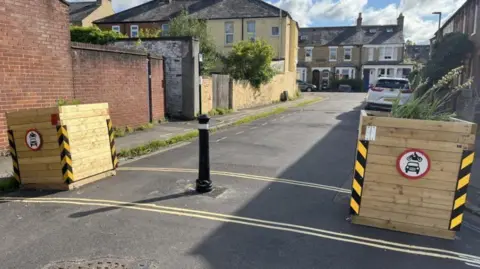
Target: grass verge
x,y
251,118
8,184
309,102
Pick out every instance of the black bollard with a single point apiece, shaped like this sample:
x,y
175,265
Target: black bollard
x,y
204,184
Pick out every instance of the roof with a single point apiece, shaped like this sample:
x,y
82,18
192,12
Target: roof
x,y
451,18
162,10
348,35
80,10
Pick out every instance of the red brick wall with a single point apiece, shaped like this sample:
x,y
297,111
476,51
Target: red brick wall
x,y
35,63
119,77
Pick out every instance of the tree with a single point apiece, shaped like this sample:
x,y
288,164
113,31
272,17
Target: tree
x,y
409,42
93,35
185,25
150,33
251,61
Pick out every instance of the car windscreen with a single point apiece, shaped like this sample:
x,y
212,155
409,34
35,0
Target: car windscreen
x,y
392,84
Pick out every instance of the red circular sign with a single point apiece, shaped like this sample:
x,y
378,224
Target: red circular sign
x,y
33,139
413,164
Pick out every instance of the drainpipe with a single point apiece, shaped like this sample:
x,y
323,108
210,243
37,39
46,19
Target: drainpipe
x,y
150,103
164,84
242,29
280,34
360,47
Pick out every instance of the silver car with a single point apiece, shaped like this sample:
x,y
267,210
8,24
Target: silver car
x,y
306,87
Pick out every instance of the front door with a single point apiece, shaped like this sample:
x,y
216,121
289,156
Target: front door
x,y
316,78
366,79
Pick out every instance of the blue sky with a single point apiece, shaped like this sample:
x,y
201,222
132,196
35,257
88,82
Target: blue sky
x,y
420,24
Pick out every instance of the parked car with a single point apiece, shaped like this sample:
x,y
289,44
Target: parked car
x,y
306,87
412,166
386,91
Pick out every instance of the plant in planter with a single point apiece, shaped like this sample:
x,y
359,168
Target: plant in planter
x,y
413,165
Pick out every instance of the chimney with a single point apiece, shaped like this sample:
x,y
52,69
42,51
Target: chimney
x,y
359,21
400,20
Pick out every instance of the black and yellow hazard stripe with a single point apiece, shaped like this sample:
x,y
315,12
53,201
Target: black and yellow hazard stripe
x,y
461,190
112,144
359,174
65,155
13,153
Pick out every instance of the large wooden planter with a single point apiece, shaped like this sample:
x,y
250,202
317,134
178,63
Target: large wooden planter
x,y
61,147
382,195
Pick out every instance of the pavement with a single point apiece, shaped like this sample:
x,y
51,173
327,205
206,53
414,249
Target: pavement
x,y
280,201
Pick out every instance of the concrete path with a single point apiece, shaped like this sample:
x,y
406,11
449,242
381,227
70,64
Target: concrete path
x,y
281,201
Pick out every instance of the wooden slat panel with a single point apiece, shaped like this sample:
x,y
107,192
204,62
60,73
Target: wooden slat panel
x,y
421,183
84,114
392,170
91,172
41,174
85,127
101,121
405,218
404,227
85,137
427,125
92,132
44,132
404,200
81,108
83,168
39,154
424,135
434,155
45,139
407,209
85,154
82,147
434,165
45,146
32,160
30,116
408,191
39,125
41,166
44,180
420,144
106,156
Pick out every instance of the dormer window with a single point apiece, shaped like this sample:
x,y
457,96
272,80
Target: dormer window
x,y
389,30
372,31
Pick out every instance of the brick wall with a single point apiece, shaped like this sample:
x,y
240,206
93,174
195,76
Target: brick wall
x,y
35,63
119,77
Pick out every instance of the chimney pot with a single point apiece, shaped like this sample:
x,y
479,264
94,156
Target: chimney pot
x,y
359,21
400,21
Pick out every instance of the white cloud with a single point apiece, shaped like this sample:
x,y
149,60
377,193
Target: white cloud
x,y
419,26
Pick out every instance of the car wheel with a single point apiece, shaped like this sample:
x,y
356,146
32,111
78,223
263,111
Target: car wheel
x,y
418,172
308,89
406,171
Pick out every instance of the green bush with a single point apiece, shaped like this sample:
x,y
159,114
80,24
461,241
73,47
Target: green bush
x,y
93,35
356,84
251,61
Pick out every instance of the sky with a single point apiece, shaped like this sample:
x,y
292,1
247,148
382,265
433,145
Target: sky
x,y
420,24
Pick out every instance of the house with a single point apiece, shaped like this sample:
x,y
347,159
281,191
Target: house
x,y
84,13
418,53
354,52
228,21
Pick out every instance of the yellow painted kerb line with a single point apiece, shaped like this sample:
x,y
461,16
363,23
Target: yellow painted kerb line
x,y
375,243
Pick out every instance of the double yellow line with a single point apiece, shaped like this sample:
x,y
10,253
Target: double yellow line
x,y
258,223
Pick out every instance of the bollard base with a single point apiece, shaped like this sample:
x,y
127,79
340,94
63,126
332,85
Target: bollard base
x,y
203,186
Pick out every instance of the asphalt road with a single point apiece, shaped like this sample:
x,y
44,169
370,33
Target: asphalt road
x,y
147,215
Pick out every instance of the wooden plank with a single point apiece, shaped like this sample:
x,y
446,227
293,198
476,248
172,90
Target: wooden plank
x,y
45,186
421,183
427,125
83,114
434,165
85,154
39,125
100,120
44,132
91,179
407,209
81,147
33,160
85,138
45,139
404,218
41,166
89,133
420,144
44,180
404,227
425,194
434,155
424,135
83,107
84,128
392,170
45,146
31,115
40,174
106,156
404,200
39,154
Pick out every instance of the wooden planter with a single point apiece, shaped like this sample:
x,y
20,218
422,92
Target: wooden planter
x,y
61,147
387,191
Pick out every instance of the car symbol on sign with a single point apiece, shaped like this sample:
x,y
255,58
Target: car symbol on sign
x,y
412,167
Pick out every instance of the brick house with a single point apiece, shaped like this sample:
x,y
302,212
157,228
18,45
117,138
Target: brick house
x,y
228,21
84,13
361,51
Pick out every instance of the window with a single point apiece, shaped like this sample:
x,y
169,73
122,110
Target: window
x,y
229,33
332,54
347,54
275,31
165,28
345,72
303,37
370,53
386,53
116,28
251,30
133,30
308,54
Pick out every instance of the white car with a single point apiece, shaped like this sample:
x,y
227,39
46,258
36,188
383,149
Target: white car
x,y
385,91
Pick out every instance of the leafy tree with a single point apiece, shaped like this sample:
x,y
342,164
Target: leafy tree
x,y
409,42
251,61
185,25
93,35
150,33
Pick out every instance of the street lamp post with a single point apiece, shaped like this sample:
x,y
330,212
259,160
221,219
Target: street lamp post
x,y
439,18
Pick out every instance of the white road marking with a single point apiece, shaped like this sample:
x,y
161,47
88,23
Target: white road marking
x,y
474,265
241,132
253,128
218,140
274,119
264,123
282,117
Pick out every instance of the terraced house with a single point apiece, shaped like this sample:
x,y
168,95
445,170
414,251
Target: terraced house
x,y
362,51
228,21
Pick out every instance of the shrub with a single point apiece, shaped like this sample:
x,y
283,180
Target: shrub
x,y
66,102
93,35
251,61
150,33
